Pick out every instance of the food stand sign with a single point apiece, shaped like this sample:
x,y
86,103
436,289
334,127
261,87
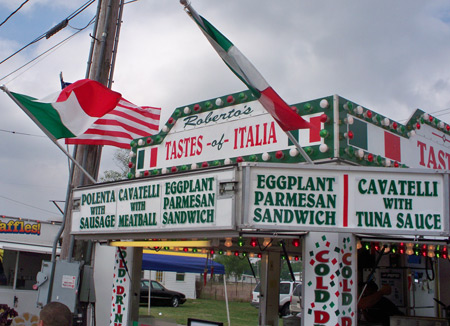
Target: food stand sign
x,y
162,204
358,200
227,130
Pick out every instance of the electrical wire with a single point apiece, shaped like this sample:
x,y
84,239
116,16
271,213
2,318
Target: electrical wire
x,y
18,202
48,34
445,111
45,52
37,39
15,11
21,133
80,10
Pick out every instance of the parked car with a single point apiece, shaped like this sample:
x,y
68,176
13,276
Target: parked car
x,y
296,300
286,288
160,296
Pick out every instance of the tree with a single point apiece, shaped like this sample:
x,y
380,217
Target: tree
x,y
121,158
285,273
234,266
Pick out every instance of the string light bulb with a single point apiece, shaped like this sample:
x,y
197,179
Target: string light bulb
x,y
267,242
358,244
228,243
409,249
401,248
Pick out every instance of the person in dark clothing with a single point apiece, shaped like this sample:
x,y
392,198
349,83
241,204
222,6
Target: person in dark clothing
x,y
375,307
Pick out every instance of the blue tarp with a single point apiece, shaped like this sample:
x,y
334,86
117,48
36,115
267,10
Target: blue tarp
x,y
180,264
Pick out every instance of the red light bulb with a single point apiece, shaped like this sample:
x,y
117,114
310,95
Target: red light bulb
x,y
279,155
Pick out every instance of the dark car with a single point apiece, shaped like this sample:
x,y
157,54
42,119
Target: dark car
x,y
160,296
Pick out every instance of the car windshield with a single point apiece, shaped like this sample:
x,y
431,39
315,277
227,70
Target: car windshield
x,y
157,286
257,287
298,290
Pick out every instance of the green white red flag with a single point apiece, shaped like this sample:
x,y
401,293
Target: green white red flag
x,y
287,118
87,113
70,112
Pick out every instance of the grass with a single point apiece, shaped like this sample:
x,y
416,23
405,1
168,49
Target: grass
x,y
241,313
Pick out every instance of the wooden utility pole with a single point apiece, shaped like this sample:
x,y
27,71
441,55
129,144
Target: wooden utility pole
x,y
100,68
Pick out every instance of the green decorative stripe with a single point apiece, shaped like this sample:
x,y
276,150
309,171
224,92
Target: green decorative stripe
x,y
359,130
45,115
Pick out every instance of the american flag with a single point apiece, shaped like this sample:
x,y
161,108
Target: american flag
x,y
120,126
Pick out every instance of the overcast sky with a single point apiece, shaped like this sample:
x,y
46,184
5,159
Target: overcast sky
x,y
389,56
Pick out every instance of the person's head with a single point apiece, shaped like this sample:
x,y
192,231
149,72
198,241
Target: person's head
x,y
372,287
55,314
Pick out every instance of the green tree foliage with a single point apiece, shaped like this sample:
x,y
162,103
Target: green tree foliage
x,y
285,275
121,160
234,266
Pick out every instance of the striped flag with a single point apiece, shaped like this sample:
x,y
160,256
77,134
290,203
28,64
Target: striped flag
x,y
287,118
120,126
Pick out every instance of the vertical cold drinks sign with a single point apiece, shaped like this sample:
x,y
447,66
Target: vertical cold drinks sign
x,y
329,288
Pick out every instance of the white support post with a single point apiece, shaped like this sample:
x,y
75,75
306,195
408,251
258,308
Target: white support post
x,y
330,279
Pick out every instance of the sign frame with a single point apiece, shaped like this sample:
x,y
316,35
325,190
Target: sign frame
x,y
222,177
248,169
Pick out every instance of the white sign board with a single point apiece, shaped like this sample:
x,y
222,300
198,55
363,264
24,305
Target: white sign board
x,y
237,130
358,200
177,202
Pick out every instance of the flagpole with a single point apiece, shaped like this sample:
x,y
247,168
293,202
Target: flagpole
x,y
299,148
47,133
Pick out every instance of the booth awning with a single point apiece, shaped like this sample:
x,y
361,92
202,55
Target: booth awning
x,y
180,264
27,247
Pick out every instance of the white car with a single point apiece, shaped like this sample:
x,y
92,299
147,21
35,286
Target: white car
x,y
296,300
286,289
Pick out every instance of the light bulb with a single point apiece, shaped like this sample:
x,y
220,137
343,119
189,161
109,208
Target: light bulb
x,y
228,243
409,249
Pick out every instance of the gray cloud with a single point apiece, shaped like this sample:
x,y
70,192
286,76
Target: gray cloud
x,y
391,57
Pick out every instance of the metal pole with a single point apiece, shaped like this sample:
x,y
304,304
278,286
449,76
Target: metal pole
x,y
49,135
226,299
299,148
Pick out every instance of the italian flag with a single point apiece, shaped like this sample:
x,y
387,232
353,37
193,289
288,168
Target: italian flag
x,y
70,112
287,118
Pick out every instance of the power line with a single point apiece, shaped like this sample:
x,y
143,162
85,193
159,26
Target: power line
x,y
14,12
53,30
440,112
45,52
18,202
21,133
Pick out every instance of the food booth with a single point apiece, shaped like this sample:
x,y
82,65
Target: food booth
x,y
222,178
24,246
